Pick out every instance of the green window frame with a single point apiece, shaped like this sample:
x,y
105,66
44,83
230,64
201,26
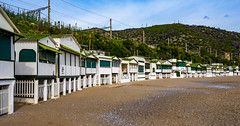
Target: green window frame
x,y
89,63
140,69
193,68
104,63
115,63
159,67
83,62
153,70
5,48
147,66
181,64
27,55
46,56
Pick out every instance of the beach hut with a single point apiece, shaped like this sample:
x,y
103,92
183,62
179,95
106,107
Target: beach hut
x,y
189,70
204,70
35,68
217,69
229,71
91,70
104,71
153,68
181,70
235,70
158,68
209,71
115,69
8,36
141,67
196,69
124,70
69,77
166,68
147,68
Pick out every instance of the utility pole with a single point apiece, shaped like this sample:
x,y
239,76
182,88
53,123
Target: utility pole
x,y
39,16
110,28
48,11
143,37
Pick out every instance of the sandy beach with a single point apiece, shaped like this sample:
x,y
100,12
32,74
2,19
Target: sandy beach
x,y
188,101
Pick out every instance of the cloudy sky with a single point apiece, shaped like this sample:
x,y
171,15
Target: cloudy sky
x,y
222,14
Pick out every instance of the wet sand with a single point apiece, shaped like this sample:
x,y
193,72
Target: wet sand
x,y
188,101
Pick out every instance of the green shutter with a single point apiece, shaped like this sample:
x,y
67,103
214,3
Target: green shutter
x,y
5,48
94,63
153,70
27,55
89,64
140,69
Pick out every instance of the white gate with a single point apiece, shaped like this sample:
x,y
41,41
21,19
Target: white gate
x,y
3,101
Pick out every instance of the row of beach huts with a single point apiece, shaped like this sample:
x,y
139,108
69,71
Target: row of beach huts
x,y
38,68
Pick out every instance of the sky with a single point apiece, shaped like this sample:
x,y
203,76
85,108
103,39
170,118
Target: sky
x,y
125,14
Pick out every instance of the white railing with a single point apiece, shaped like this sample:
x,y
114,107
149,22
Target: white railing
x,y
125,76
40,91
24,88
3,101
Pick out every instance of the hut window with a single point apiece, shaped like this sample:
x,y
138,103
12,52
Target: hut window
x,y
5,48
104,63
82,62
91,63
27,55
115,64
147,66
140,69
159,67
46,56
153,70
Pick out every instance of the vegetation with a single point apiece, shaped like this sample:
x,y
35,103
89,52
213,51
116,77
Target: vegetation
x,y
129,43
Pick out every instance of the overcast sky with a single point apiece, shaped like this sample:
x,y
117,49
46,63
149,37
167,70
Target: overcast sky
x,y
224,14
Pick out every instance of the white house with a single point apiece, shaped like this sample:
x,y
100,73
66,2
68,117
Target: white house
x,y
91,70
115,69
153,69
147,68
124,70
8,33
158,68
166,68
141,67
68,63
104,69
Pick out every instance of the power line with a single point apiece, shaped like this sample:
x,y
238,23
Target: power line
x,y
95,13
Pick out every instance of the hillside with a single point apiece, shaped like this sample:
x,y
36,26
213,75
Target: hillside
x,y
220,41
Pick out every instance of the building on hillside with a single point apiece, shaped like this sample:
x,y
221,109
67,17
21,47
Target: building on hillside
x,y
8,36
141,67
166,68
69,77
35,69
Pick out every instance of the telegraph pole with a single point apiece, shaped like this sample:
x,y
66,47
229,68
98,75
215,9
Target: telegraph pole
x,y
110,28
90,42
49,11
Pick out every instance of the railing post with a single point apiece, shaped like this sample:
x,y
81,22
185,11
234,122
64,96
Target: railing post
x,y
52,89
58,88
74,84
11,98
64,86
84,81
94,80
90,81
69,85
35,97
79,83
45,91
